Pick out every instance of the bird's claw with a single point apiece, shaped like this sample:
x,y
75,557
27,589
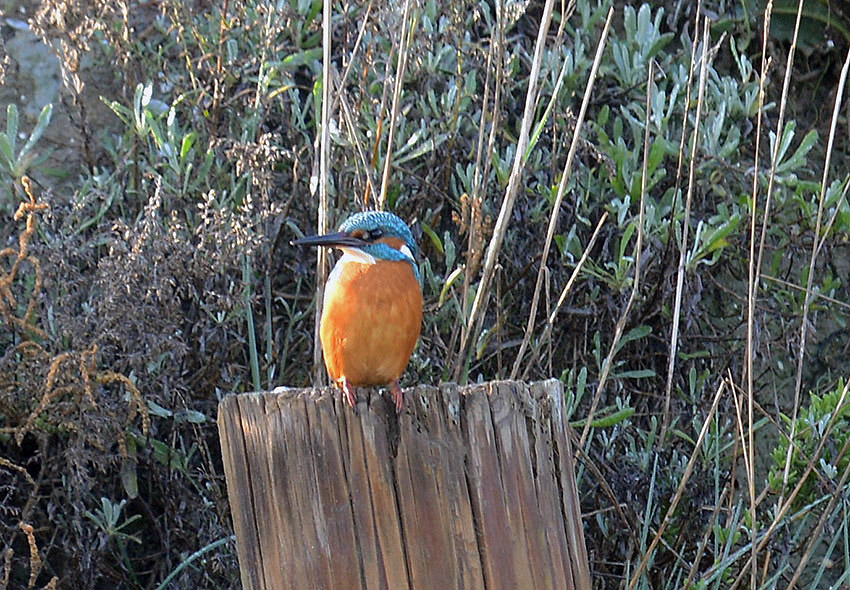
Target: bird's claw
x,y
348,393
398,396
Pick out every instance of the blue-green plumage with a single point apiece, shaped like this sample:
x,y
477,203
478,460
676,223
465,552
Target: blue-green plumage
x,y
392,226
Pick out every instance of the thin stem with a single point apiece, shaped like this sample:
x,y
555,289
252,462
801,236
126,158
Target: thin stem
x,y
621,323
562,189
403,51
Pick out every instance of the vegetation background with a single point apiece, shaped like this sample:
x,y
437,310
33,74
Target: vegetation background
x,y
677,254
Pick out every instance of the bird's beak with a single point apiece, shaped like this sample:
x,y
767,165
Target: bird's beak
x,y
338,239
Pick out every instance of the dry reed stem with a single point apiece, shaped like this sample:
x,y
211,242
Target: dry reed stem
x,y
476,315
566,13
810,279
610,360
789,285
749,471
562,188
689,469
479,304
829,224
782,509
621,322
550,322
403,53
774,156
680,275
709,530
807,300
815,537
770,180
379,126
476,240
752,274
779,429
352,134
319,374
340,84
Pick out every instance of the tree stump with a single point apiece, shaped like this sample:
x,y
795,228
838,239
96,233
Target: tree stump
x,y
469,488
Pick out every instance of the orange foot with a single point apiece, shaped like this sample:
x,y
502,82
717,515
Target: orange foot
x,y
398,396
348,392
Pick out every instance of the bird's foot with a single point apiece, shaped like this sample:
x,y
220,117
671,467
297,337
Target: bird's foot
x,y
348,392
398,396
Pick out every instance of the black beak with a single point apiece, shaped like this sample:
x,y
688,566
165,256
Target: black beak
x,y
330,240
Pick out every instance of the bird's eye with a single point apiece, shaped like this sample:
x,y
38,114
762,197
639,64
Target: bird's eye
x,y
376,234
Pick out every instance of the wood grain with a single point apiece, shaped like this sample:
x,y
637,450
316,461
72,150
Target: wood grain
x,y
469,488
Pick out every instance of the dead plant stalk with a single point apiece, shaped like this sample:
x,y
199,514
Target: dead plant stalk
x,y
668,517
562,188
807,301
763,538
680,273
319,378
479,304
751,294
804,320
550,322
403,52
621,322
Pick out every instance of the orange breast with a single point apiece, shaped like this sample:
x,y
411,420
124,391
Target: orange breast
x,y
371,320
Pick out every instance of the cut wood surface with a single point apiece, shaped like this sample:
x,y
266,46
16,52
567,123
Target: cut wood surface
x,y
470,487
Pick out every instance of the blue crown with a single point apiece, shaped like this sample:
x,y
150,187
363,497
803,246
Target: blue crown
x,y
392,226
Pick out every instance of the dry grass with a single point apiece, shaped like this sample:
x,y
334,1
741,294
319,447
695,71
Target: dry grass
x,y
157,275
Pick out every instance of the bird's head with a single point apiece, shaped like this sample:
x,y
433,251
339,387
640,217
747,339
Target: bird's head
x,y
371,236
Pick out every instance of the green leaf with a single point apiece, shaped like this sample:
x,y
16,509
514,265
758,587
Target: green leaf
x,y
40,127
435,239
12,128
798,159
157,410
423,148
296,60
186,145
191,416
141,99
7,153
129,479
122,112
606,421
635,374
627,236
452,278
637,333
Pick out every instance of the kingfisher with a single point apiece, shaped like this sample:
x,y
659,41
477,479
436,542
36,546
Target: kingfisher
x,y
372,311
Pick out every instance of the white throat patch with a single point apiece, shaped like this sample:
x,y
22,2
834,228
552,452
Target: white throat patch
x,y
355,255
349,256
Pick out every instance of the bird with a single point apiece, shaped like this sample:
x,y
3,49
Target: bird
x,y
372,310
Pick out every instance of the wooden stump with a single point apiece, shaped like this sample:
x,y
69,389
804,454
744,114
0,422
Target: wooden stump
x,y
468,488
